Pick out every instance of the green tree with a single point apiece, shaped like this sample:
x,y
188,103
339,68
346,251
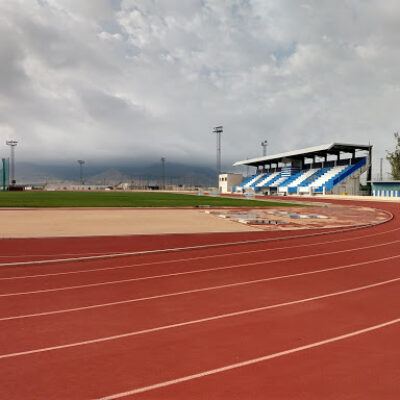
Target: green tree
x,y
394,158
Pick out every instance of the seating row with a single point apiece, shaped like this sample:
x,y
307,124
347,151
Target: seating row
x,y
309,180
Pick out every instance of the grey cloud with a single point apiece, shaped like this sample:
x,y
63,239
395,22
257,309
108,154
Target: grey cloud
x,y
116,78
12,74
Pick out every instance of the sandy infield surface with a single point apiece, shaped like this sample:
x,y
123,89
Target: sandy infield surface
x,y
20,223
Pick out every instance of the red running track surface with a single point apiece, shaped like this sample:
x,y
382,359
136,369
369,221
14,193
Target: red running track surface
x,y
312,317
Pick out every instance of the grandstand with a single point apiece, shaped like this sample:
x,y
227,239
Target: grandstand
x,y
333,168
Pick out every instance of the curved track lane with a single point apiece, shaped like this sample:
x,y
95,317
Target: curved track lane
x,y
301,318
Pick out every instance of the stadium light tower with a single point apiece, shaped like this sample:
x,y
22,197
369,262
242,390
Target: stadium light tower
x,y
163,172
264,145
81,162
218,130
12,144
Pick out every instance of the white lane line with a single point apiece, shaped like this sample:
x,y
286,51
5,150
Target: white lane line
x,y
121,281
197,321
184,259
206,246
60,254
206,289
249,362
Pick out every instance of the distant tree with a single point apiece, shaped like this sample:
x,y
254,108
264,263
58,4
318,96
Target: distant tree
x,y
394,158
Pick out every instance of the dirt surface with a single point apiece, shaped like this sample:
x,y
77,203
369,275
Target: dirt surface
x,y
23,223
61,222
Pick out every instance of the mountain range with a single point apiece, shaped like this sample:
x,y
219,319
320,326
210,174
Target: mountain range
x,y
175,173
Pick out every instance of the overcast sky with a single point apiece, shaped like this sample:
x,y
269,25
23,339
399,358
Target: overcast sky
x,y
141,79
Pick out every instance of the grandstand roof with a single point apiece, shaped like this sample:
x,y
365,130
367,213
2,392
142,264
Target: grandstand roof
x,y
331,148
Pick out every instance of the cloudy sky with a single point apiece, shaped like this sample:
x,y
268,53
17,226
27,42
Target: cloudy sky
x,y
141,79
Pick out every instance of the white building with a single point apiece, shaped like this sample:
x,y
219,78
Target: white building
x,y
228,181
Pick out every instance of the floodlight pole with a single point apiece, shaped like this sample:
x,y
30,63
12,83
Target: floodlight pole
x,y
163,172
81,162
12,144
264,145
218,130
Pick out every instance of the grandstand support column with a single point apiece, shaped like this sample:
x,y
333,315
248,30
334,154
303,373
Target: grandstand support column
x,y
369,173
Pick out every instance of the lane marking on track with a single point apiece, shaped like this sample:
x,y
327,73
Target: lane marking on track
x,y
61,254
121,281
197,321
177,249
110,304
188,258
249,362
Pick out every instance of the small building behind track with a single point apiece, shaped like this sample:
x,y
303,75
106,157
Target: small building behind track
x,y
386,189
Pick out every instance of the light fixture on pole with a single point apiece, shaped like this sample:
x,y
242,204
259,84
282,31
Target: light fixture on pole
x,y
218,130
264,145
81,162
12,144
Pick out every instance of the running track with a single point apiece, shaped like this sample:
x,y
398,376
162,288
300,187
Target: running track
x,y
310,317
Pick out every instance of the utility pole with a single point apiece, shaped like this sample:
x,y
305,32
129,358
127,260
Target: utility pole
x,y
81,162
218,130
381,170
12,144
5,164
163,172
264,145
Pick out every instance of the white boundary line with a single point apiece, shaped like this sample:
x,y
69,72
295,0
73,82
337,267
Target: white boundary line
x,y
197,321
190,258
263,262
206,289
249,362
61,260
169,250
60,254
